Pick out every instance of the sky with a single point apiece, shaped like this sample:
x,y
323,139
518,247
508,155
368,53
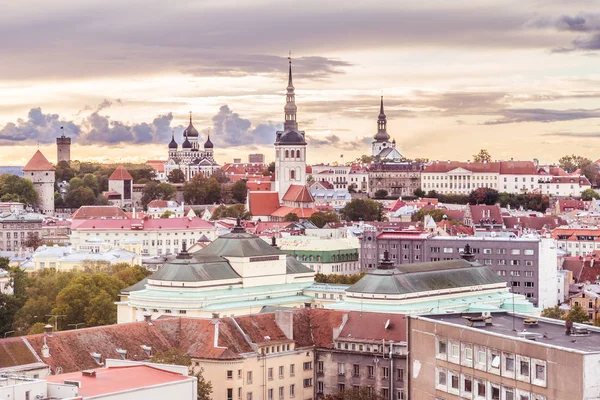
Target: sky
x,y
518,78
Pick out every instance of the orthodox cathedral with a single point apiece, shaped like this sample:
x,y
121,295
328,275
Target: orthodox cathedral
x,y
190,159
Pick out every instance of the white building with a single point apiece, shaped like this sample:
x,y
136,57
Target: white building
x,y
156,208
69,259
148,237
39,171
336,175
290,146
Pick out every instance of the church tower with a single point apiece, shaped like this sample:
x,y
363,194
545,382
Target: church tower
x,y
39,171
63,148
290,146
381,146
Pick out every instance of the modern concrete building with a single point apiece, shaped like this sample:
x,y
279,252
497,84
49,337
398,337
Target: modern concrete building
x,y
528,263
256,158
501,356
39,171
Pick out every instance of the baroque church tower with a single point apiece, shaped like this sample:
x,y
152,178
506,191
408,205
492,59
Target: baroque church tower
x,y
290,146
382,148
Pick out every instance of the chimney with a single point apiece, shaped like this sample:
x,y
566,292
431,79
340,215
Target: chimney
x,y
147,317
89,372
285,322
215,318
273,241
48,329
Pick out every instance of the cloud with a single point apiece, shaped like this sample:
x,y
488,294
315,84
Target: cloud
x,y
585,135
510,116
37,128
103,105
99,129
230,129
335,141
583,22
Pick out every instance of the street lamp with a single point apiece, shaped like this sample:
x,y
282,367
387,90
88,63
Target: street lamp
x,y
6,333
77,324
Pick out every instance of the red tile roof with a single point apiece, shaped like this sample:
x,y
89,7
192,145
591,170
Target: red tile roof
x,y
372,326
88,212
145,224
491,213
263,203
15,352
258,186
158,204
570,205
157,165
533,223
502,167
120,174
119,379
298,194
261,328
584,269
314,327
38,163
302,213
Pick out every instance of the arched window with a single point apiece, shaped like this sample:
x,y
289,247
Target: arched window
x,y
297,153
292,175
287,154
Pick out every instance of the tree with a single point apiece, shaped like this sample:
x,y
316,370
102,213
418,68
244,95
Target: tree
x,y
590,171
589,194
33,241
291,217
577,314
239,190
482,156
90,181
167,214
359,393
365,209
419,192
80,196
570,163
320,219
338,278
204,387
220,176
271,167
176,176
63,172
381,194
172,356
553,312
15,188
156,191
484,195
437,214
234,211
200,190
352,188
310,178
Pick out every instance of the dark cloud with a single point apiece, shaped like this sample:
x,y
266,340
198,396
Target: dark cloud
x,y
336,142
101,129
510,116
584,135
576,23
230,129
38,127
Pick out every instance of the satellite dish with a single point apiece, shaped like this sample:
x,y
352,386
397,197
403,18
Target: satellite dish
x,y
387,324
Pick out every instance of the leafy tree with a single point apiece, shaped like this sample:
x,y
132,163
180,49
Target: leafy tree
x,y
5,263
291,217
360,393
381,194
239,191
80,196
90,181
529,201
271,167
365,209
200,190
157,191
310,178
484,195
577,314
204,387
11,303
437,214
432,194
176,176
75,183
482,156
38,327
15,188
63,172
33,241
589,194
128,274
352,188
338,278
320,219
590,171
570,163
553,312
172,356
234,211
167,214
220,176
419,192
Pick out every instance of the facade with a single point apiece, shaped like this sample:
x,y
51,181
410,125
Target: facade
x,y
398,179
501,356
189,158
381,147
66,258
39,171
19,230
336,175
325,256
528,263
588,298
120,188
336,199
256,158
577,241
63,149
290,147
148,237
156,208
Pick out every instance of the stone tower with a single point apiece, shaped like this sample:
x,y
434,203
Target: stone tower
x,y
290,146
39,171
63,149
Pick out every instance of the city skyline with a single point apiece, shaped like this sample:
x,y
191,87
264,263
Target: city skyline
x,y
455,78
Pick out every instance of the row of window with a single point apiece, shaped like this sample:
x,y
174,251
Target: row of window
x,y
270,393
376,348
508,365
249,375
356,371
470,387
529,274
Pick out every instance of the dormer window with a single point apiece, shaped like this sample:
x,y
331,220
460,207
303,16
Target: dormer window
x,y
97,357
147,349
122,353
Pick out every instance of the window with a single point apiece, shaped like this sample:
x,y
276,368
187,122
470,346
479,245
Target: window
x,y
270,395
481,357
481,389
249,377
281,392
448,249
540,372
510,363
515,252
386,373
293,367
281,372
240,393
356,371
229,374
442,346
307,366
385,393
494,360
495,392
469,353
454,350
524,368
341,387
341,369
467,384
509,394
239,374
454,381
400,374
292,390
370,371
528,252
308,382
441,377
319,366
320,387
229,394
249,396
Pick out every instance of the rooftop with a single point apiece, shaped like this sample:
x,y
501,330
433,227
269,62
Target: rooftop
x,y
38,163
548,332
120,174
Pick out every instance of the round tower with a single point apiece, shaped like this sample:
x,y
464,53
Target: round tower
x,y
39,171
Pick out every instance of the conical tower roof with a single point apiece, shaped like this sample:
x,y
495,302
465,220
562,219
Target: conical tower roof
x,y
38,163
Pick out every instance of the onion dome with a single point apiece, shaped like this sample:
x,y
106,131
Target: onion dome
x,y
208,144
186,143
173,143
292,137
190,130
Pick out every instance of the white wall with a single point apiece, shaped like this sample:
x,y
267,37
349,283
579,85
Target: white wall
x,y
18,390
591,377
547,273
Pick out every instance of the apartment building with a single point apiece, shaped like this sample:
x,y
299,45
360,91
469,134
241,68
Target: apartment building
x,y
336,175
501,356
18,228
149,237
577,241
528,263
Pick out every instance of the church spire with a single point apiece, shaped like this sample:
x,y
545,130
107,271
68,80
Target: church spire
x,y
382,135
290,103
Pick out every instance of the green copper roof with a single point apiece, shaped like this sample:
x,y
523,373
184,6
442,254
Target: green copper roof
x,y
194,270
238,245
293,266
